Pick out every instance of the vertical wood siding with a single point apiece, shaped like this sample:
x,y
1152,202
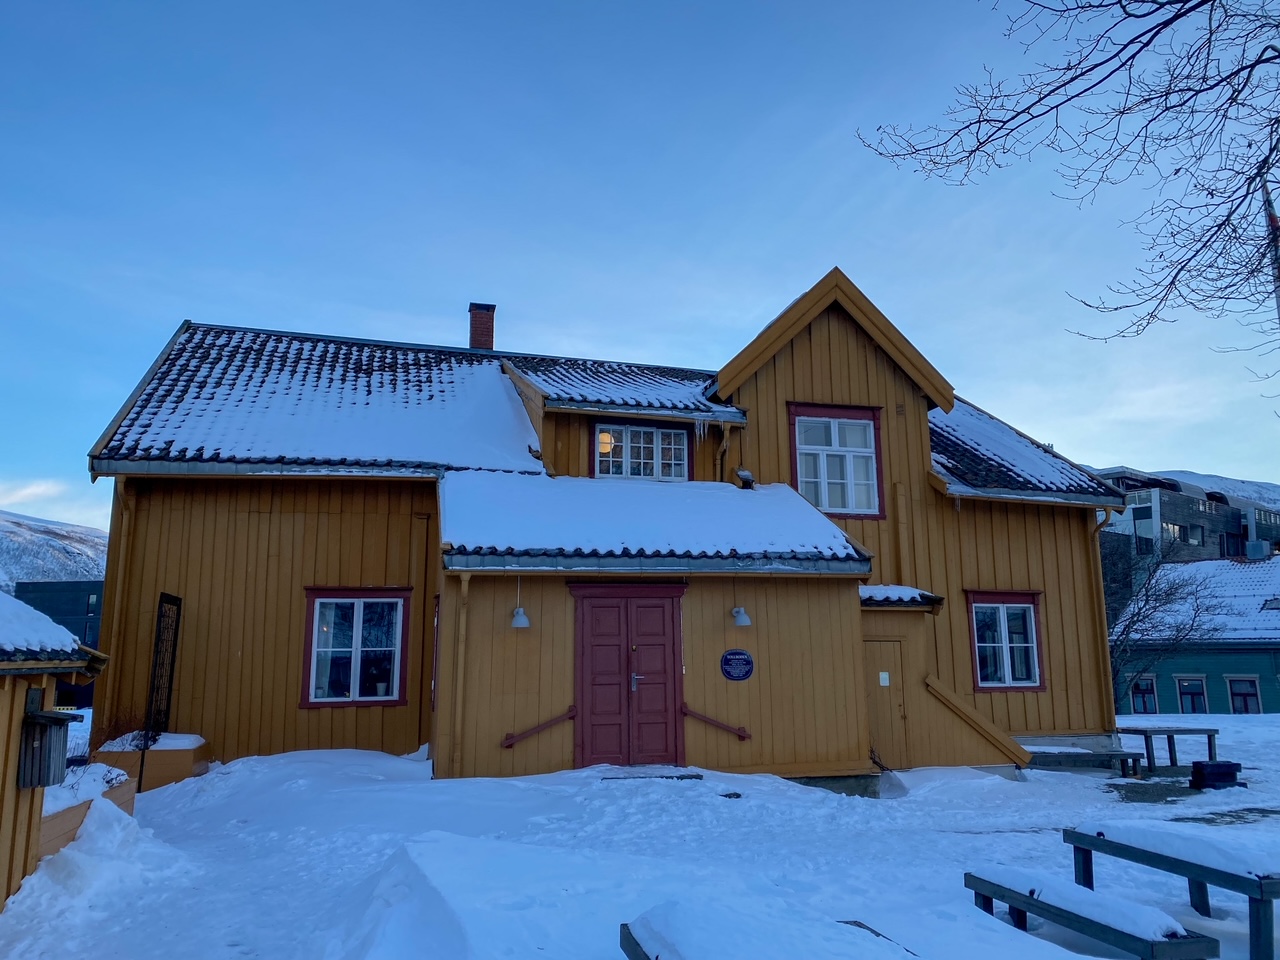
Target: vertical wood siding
x,y
20,810
240,553
944,545
802,705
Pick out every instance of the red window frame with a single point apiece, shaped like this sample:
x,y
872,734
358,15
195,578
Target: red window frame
x,y
313,594
796,410
1025,597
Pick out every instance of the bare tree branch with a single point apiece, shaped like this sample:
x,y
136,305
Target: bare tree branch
x,y
1182,95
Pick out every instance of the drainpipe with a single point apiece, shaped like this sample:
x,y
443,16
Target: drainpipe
x,y
459,677
724,448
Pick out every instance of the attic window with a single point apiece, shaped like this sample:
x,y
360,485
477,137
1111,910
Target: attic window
x,y
642,453
837,459
1272,604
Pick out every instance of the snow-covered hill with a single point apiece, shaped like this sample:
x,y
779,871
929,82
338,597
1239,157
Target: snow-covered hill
x,y
1263,492
34,549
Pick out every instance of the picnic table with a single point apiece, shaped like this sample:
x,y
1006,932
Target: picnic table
x,y
1262,891
1149,734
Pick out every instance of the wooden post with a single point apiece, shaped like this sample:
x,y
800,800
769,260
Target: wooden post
x,y
1199,892
983,902
1151,753
1019,917
1173,751
1084,866
459,678
1213,747
1262,929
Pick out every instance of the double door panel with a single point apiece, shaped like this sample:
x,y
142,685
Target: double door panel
x,y
628,679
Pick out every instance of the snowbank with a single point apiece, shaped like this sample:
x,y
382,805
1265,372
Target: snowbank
x,y
110,854
1137,919
25,628
82,783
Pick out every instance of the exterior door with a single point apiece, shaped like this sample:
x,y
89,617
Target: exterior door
x,y
886,703
628,676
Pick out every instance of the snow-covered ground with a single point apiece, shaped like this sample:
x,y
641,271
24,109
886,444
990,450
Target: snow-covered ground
x,y
345,855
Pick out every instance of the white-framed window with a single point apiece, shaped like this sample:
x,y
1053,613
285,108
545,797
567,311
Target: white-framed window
x,y
648,453
1004,637
1191,695
836,467
1244,695
356,646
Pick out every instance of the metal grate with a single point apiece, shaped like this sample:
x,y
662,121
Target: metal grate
x,y
160,695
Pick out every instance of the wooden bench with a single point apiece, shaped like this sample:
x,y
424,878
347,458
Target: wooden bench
x,y
1261,891
1191,946
1125,762
1149,734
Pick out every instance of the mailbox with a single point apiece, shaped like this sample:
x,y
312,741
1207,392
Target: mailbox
x,y
42,749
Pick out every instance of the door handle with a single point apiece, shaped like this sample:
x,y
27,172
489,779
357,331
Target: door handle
x,y
634,678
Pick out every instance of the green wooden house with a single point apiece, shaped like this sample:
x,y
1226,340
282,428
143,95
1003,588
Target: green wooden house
x,y
1235,671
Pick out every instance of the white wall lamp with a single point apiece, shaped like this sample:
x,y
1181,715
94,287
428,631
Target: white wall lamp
x,y
519,619
740,618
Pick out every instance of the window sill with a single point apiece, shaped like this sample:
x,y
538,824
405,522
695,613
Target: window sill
x,y
1011,687
343,704
846,515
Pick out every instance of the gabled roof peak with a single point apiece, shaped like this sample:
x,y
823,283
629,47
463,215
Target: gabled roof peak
x,y
836,287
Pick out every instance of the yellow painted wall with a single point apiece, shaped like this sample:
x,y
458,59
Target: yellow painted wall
x,y
802,706
240,554
942,544
20,810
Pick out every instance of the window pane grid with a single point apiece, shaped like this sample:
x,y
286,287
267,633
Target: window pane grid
x,y
356,640
1005,643
836,464
644,453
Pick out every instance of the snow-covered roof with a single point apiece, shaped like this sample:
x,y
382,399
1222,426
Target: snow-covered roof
x,y
540,522
225,399
568,383
979,455
896,595
27,634
1242,589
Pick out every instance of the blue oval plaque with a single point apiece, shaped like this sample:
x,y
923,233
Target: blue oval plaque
x,y
737,665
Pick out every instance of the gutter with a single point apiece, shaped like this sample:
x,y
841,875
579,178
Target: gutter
x,y
526,563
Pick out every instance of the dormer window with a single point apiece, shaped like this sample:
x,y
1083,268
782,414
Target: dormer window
x,y
644,453
837,459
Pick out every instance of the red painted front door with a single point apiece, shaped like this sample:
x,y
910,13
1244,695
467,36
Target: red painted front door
x,y
628,679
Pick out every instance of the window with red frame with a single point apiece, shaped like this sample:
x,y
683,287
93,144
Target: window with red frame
x,y
836,467
1005,642
357,646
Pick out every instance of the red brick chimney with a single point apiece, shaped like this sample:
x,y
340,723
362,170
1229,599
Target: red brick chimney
x,y
482,325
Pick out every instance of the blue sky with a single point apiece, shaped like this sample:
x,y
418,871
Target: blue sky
x,y
636,181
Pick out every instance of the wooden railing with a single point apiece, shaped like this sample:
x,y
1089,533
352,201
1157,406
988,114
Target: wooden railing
x,y
739,732
511,739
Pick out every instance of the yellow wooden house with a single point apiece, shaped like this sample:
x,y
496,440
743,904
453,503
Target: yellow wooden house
x,y
814,561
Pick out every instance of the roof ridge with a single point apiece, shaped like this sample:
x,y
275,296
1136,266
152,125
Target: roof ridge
x,y
470,351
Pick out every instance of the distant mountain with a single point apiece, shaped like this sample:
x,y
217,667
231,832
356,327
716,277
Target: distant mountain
x,y
34,549
1263,492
